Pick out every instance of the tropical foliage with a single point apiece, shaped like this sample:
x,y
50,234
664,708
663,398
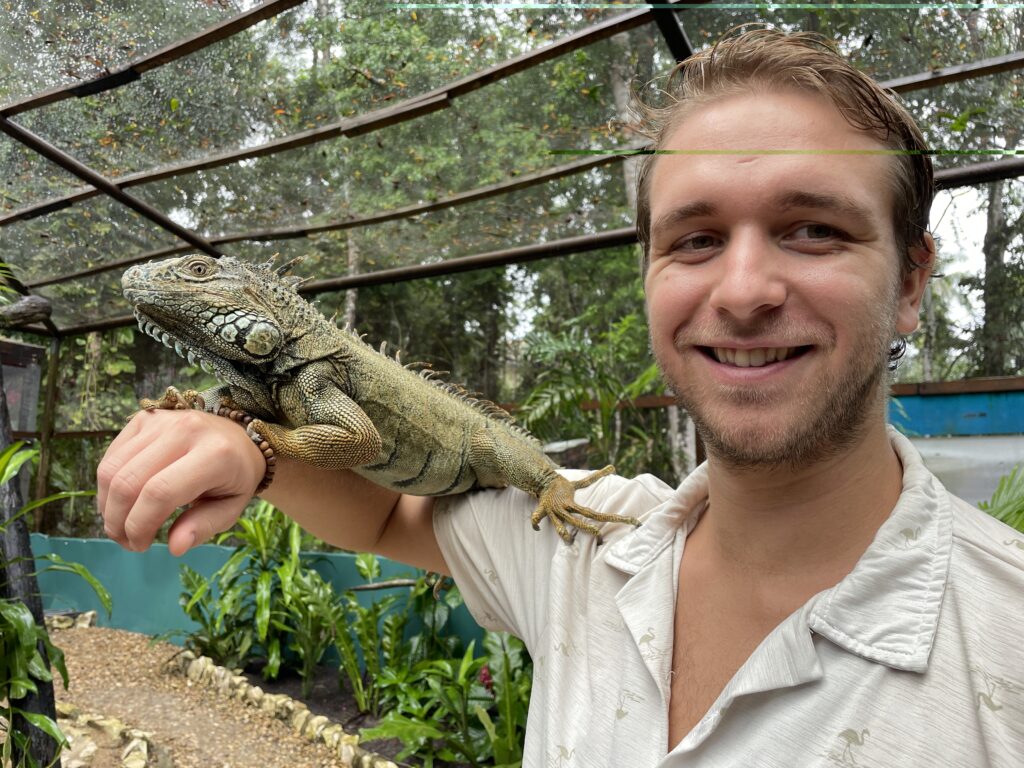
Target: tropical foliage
x,y
1007,502
26,653
268,608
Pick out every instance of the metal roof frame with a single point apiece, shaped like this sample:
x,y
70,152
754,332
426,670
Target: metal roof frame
x,y
437,99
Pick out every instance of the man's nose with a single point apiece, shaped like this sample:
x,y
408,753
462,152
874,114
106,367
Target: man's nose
x,y
751,279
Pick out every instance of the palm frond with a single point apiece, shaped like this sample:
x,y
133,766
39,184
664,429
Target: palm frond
x,y
1007,503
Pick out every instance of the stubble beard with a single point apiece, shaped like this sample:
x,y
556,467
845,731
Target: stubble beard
x,y
834,416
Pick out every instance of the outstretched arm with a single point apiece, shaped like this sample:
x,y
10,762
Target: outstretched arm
x,y
164,460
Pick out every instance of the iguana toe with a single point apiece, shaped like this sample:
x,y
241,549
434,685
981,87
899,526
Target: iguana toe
x,y
173,400
556,503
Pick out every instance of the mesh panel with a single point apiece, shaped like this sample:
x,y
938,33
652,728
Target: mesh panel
x,y
885,43
28,178
970,122
297,71
57,43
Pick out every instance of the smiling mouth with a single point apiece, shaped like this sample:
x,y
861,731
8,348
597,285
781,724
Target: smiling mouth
x,y
752,358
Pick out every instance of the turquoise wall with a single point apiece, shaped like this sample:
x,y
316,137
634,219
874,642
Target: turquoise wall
x,y
970,413
145,585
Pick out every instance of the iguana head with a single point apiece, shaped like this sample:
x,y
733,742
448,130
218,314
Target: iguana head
x,y
232,318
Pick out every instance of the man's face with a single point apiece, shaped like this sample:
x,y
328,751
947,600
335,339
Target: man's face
x,y
773,290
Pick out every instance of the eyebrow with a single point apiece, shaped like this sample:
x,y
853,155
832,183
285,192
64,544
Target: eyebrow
x,y
839,203
682,213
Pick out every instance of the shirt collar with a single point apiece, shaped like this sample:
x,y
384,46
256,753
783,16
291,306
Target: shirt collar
x,y
887,608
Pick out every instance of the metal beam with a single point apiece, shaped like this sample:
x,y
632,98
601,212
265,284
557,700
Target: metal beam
x,y
82,171
289,233
936,77
944,179
979,173
672,30
611,239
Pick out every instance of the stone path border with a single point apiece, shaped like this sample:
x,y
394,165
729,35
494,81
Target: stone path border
x,y
202,671
139,752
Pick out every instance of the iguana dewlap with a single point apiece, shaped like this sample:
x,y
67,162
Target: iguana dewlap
x,y
319,394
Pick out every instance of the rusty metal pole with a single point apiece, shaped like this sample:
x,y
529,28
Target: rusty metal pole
x,y
46,428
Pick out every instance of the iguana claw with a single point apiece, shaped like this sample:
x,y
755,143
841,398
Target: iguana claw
x,y
173,400
556,503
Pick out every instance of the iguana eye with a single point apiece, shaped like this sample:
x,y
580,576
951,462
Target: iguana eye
x,y
199,268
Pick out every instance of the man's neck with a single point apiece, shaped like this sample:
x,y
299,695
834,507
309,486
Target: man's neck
x,y
795,531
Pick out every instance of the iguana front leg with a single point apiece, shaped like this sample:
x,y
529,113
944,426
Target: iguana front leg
x,y
336,432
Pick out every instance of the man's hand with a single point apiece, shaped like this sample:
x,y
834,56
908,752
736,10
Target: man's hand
x,y
164,460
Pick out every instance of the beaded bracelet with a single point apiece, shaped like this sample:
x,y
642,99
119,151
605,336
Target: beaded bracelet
x,y
243,418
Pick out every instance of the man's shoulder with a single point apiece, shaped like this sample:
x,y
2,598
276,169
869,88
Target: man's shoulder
x,y
645,490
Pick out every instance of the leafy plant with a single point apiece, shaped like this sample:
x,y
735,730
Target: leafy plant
x,y
580,370
1007,503
242,609
22,664
469,709
228,646
370,641
314,613
21,667
511,674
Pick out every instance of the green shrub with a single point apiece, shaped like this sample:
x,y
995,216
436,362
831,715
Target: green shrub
x,y
22,665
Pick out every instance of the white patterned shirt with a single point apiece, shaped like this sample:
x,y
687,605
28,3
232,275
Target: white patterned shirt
x,y
916,658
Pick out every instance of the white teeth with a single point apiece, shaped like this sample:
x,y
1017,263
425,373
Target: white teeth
x,y
178,349
191,357
206,366
752,358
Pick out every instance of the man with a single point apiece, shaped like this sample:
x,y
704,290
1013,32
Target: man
x,y
811,595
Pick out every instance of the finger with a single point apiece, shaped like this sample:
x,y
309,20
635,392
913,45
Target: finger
x,y
202,521
130,469
115,456
216,470
160,438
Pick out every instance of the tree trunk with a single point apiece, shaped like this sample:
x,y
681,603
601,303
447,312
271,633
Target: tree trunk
x,y
18,582
351,295
352,248
994,334
321,55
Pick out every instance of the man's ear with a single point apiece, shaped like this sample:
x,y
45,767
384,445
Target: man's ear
x,y
914,283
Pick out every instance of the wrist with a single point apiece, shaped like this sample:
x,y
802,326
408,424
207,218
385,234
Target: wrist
x,y
266,450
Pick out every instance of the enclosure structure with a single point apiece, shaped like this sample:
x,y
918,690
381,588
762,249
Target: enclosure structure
x,y
396,142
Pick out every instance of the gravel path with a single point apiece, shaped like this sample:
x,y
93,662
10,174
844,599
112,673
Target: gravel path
x,y
118,674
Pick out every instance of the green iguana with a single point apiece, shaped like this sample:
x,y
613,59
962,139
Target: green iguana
x,y
319,394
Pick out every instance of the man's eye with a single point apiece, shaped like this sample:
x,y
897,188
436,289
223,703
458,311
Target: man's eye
x,y
816,232
696,243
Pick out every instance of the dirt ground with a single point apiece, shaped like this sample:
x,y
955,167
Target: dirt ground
x,y
118,674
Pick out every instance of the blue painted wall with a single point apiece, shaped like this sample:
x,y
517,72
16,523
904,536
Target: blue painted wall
x,y
145,585
980,413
